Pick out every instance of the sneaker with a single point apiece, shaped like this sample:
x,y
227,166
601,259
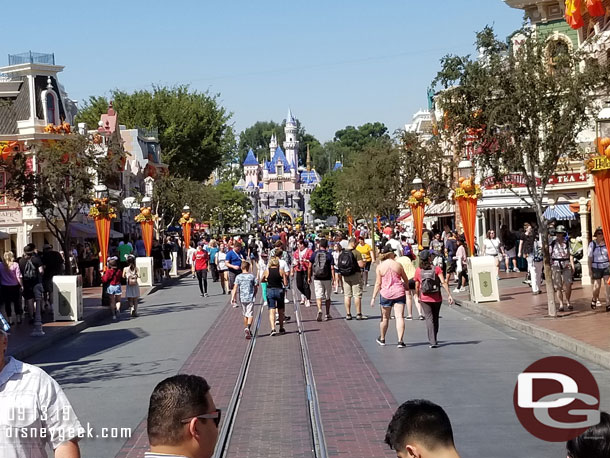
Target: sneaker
x,y
307,303
392,317
272,333
560,309
348,317
457,290
380,341
302,302
134,314
319,318
265,304
433,346
113,317
282,331
401,344
360,316
422,318
570,307
206,295
328,317
286,318
368,285
409,318
516,270
235,305
247,333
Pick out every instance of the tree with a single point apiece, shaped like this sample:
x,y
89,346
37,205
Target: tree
x,y
522,107
57,179
193,127
257,137
324,197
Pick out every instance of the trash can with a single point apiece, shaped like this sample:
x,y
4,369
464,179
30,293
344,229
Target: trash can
x,y
174,270
145,266
483,279
67,298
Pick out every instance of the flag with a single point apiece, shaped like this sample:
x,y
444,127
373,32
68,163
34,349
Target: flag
x,y
573,16
596,8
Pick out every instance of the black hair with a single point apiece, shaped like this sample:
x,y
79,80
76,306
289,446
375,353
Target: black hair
x,y
594,442
425,264
420,421
323,243
175,399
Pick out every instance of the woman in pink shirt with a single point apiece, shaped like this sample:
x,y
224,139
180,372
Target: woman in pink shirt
x,y
390,281
428,281
10,283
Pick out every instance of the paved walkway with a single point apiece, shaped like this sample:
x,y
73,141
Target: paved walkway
x,y
584,331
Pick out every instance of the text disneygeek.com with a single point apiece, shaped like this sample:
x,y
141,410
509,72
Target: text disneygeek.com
x,y
63,434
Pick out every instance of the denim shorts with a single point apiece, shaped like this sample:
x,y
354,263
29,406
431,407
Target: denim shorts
x,y
114,290
391,302
275,298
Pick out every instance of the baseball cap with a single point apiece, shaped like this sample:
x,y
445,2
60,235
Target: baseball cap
x,y
424,255
560,229
387,249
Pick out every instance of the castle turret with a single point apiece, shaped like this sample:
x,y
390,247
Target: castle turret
x,y
291,145
272,145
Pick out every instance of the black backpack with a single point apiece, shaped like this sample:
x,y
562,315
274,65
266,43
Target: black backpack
x,y
347,264
321,266
430,282
30,272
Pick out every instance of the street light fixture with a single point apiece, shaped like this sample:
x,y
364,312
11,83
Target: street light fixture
x,y
465,169
101,191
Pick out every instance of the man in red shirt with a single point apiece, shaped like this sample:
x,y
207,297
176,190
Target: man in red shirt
x,y
199,267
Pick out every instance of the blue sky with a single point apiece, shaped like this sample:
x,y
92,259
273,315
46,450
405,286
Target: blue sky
x,y
334,62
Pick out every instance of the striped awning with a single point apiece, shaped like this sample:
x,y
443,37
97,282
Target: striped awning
x,y
561,212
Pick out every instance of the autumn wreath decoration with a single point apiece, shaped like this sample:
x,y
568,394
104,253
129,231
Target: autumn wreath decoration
x,y
468,189
101,209
145,214
418,197
186,218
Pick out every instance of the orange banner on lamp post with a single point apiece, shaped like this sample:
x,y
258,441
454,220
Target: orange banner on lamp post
x,y
599,166
147,235
186,232
467,196
418,211
102,227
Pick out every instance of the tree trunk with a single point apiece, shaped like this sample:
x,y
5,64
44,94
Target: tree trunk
x,y
66,247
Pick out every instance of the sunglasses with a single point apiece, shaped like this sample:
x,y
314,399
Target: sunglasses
x,y
213,416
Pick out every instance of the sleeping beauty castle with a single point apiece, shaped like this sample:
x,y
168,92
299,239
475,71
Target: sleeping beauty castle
x,y
279,189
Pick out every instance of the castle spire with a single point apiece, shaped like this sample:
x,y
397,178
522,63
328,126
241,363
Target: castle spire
x,y
308,159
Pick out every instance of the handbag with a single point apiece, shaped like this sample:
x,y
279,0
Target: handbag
x,y
132,279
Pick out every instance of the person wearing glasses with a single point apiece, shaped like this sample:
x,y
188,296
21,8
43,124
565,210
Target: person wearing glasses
x,y
492,247
182,418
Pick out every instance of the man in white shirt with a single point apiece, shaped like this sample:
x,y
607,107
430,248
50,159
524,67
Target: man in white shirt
x,y
35,412
396,246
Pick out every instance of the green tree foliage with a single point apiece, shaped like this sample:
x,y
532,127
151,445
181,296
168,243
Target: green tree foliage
x,y
257,137
324,197
61,185
525,106
193,127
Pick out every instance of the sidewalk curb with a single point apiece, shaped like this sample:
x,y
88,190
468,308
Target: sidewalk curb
x,y
49,339
562,341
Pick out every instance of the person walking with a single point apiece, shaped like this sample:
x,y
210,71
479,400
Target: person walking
x,y
390,284
221,264
368,255
492,247
53,263
409,268
156,253
302,271
212,249
350,266
131,273
167,256
32,271
600,267
10,287
428,282
530,248
113,276
262,267
509,243
277,281
189,254
562,268
234,259
246,285
337,280
461,266
199,267
321,269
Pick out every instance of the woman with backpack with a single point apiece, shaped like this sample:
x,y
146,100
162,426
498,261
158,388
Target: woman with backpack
x,y
113,276
131,275
302,270
600,267
428,282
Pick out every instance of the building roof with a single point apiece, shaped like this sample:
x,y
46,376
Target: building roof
x,y
250,159
290,119
338,166
279,156
310,177
14,108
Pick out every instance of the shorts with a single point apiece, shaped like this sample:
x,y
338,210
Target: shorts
x,y
411,285
247,309
275,298
561,277
47,284
352,285
114,290
512,253
367,267
35,291
322,289
391,302
167,264
597,274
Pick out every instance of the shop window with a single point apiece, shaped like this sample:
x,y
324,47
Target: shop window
x,y
279,203
280,186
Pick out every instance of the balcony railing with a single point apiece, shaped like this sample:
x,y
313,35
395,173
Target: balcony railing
x,y
31,58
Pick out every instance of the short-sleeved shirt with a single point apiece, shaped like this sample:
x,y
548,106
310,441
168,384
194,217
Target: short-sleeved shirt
x,y
246,283
407,266
437,246
329,260
212,251
235,259
365,251
201,258
434,297
599,253
124,250
32,400
30,283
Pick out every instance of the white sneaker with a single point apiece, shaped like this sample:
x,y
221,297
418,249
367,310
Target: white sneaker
x,y
457,290
307,303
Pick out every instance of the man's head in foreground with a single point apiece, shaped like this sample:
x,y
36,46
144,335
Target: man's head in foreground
x,y
182,417
421,429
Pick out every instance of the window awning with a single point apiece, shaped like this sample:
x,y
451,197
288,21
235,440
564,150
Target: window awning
x,y
404,216
444,208
4,235
560,212
87,231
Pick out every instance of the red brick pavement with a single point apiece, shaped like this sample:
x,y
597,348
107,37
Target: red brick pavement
x,y
356,405
273,418
217,357
583,324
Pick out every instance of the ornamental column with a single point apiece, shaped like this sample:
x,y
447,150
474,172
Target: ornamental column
x,y
584,226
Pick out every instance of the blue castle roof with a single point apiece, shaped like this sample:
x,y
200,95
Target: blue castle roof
x,y
338,165
250,158
310,177
279,156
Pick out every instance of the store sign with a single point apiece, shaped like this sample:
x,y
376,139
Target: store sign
x,y
10,217
564,178
516,180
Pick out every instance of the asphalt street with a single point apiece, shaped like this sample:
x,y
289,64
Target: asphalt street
x,y
108,371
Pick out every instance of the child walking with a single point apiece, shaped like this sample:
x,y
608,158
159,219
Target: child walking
x,y
113,276
131,275
247,285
